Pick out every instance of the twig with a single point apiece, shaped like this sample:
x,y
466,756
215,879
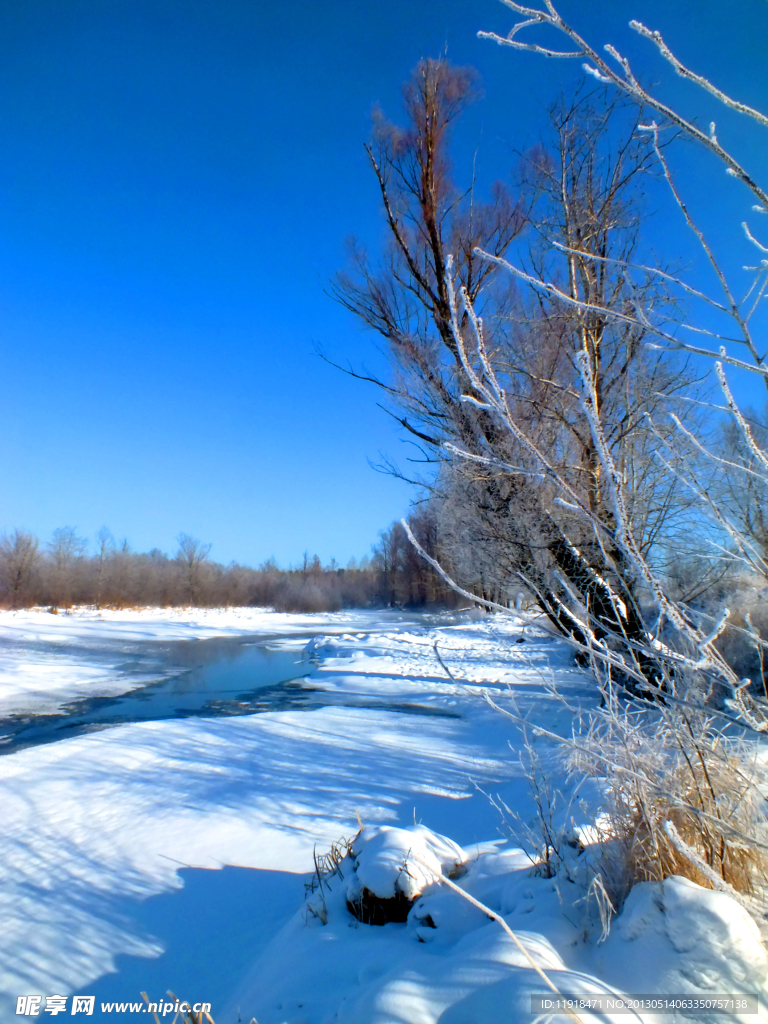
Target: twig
x,y
500,920
445,667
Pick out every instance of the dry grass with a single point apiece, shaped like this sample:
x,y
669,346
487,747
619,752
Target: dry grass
x,y
647,853
683,798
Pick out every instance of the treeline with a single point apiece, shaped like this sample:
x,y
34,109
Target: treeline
x,y
67,571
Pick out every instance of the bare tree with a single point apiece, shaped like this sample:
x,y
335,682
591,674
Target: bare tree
x,y
404,579
18,564
105,543
587,189
66,550
584,194
405,298
192,554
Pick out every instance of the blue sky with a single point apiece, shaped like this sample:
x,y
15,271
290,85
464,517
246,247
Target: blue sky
x,y
177,178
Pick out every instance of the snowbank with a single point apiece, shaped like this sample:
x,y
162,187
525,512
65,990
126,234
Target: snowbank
x,y
450,964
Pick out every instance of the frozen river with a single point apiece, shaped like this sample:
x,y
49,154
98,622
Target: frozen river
x,y
159,679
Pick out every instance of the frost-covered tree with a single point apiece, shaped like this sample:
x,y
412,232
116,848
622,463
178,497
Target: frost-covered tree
x,y
583,189
727,299
725,319
587,187
612,628
684,790
105,542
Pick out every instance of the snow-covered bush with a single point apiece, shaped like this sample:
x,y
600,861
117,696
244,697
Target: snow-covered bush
x,y
676,790
383,870
391,867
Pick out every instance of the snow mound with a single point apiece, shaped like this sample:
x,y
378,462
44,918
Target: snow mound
x,y
692,935
391,867
673,938
484,979
390,861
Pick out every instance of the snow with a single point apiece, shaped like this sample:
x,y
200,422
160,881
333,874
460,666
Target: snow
x,y
673,938
695,936
47,659
164,623
174,854
391,860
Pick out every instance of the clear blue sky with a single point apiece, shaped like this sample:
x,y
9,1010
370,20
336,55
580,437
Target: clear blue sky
x,y
177,178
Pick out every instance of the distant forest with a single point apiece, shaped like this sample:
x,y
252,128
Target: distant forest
x,y
63,573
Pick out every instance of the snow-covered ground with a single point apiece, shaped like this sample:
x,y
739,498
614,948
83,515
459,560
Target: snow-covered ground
x,y
173,854
80,624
